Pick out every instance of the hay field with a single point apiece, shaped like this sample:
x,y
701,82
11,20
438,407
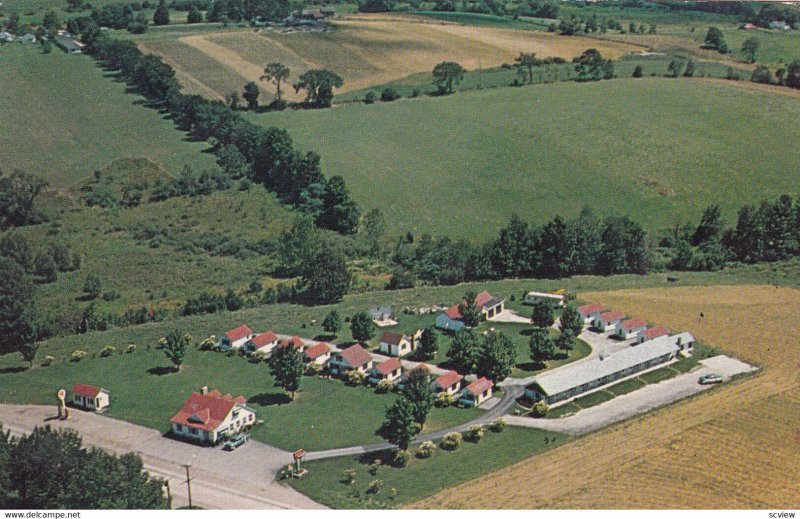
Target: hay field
x,y
733,447
364,50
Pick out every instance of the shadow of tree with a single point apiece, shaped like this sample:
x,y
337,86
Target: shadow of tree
x,y
15,369
268,399
162,370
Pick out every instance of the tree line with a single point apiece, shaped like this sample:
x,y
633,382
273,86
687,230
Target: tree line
x,y
265,155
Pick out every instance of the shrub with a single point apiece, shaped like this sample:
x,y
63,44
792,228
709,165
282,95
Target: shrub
x,y
444,400
77,355
401,458
313,369
374,466
384,386
48,359
131,348
389,94
208,344
498,425
375,486
107,351
474,433
370,97
540,409
426,450
355,378
258,356
451,441
349,476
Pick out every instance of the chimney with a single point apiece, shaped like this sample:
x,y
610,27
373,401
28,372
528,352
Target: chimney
x,y
680,340
204,390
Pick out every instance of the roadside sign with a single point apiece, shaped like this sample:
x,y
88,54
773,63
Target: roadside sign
x,y
61,394
298,454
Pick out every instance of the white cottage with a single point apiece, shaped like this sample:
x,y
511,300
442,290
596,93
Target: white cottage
x,y
211,417
90,397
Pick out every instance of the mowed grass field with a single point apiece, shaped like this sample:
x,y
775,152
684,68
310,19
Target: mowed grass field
x,y
62,119
365,50
657,149
733,447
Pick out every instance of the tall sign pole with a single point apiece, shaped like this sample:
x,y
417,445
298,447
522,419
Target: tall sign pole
x,y
189,484
63,414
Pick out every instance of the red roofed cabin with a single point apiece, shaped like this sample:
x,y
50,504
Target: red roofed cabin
x,y
449,383
236,338
90,397
608,320
591,312
630,328
477,393
210,417
651,333
295,342
317,354
389,370
353,358
262,342
488,305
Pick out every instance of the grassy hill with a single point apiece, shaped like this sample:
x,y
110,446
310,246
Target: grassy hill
x,y
659,150
68,120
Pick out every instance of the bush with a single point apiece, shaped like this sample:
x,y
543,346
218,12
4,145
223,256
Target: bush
x,y
389,94
48,359
638,72
374,466
370,97
384,386
540,409
375,486
208,344
355,378
451,441
77,355
474,433
498,425
426,450
107,351
349,476
131,348
313,369
401,458
444,400
258,356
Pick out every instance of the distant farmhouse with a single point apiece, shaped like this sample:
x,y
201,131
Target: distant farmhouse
x,y
210,417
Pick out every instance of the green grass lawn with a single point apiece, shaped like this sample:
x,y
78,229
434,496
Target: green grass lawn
x,y
68,120
658,375
565,409
681,145
421,477
626,386
593,399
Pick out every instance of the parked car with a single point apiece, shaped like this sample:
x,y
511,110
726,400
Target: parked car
x,y
711,378
236,441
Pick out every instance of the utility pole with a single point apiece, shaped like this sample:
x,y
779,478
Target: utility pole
x,y
188,484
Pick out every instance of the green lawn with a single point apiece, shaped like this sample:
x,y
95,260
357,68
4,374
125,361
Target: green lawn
x,y
627,386
565,409
658,375
68,119
593,399
682,145
422,477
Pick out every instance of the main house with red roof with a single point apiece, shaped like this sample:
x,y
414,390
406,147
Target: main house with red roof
x,y
488,305
477,393
236,338
264,342
90,397
353,358
449,383
608,320
398,344
630,328
318,354
209,417
388,370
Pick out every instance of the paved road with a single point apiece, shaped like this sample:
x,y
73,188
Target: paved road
x,y
242,479
636,402
508,401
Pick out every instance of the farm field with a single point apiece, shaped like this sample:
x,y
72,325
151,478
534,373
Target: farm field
x,y
364,49
657,148
747,431
52,127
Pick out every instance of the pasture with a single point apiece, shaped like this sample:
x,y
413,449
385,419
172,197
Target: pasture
x,y
364,49
732,447
659,150
64,119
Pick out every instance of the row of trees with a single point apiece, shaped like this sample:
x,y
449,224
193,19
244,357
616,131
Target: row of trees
x,y
265,155
51,469
492,355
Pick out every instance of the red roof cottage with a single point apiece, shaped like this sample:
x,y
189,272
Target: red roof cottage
x,y
318,354
90,397
651,333
353,358
262,342
449,383
236,338
210,417
591,312
389,370
477,393
608,320
630,328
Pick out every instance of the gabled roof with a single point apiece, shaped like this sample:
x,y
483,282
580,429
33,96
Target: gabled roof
x,y
206,412
614,315
356,356
448,379
479,386
263,339
591,308
86,390
392,338
388,366
317,350
636,322
295,341
237,334
656,331
453,312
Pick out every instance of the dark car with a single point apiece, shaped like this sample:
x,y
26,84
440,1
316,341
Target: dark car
x,y
236,441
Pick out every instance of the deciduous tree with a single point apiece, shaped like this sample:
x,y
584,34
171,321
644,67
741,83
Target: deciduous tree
x,y
286,366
